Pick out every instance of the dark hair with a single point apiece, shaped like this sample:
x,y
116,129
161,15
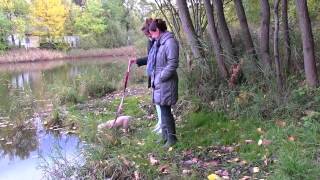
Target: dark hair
x,y
158,23
146,24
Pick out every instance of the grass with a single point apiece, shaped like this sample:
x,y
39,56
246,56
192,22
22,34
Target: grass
x,y
123,154
239,119
92,82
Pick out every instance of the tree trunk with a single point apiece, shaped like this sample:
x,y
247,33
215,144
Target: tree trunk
x,y
223,27
245,29
13,40
189,29
276,45
264,33
286,37
307,42
215,39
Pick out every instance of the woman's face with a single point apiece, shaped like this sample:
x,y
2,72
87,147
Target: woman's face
x,y
155,34
147,34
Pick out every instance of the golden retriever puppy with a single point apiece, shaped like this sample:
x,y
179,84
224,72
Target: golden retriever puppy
x,y
121,122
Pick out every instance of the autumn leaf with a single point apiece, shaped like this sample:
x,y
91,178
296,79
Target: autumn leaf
x,y
186,171
153,161
214,177
164,169
248,141
291,138
255,170
264,142
280,123
260,131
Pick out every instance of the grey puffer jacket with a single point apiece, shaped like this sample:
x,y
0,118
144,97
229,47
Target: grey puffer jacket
x,y
164,79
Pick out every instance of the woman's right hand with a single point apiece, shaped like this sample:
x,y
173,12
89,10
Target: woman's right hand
x,y
133,60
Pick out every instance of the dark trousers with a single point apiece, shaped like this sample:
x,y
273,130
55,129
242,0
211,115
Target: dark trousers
x,y
168,125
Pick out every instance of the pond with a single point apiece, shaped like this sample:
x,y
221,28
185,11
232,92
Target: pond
x,y
27,97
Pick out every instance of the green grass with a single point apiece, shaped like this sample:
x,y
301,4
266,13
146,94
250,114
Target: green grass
x,y
298,159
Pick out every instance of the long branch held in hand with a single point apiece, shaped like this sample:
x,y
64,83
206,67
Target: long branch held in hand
x,y
123,93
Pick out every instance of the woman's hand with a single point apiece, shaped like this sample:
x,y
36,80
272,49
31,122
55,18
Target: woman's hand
x,y
133,60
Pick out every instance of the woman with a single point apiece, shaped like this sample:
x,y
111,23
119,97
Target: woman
x,y
143,61
163,60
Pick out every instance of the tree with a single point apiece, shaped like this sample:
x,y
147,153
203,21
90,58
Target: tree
x,y
49,16
307,42
223,27
286,36
74,12
5,25
91,20
215,39
189,30
264,33
248,42
16,12
90,24
276,44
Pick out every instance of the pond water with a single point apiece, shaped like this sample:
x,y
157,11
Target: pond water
x,y
25,102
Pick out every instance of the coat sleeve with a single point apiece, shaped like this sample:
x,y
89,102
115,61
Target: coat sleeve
x,y
172,55
142,61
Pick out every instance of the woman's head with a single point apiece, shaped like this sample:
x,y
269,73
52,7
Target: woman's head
x,y
145,27
157,27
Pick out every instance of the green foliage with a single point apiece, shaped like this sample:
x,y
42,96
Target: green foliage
x,y
58,45
93,82
4,31
91,20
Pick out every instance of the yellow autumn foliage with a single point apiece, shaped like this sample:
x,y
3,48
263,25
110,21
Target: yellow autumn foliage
x,y
48,17
6,5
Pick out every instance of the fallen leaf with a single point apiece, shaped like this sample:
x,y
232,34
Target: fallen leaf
x,y
187,152
164,169
243,162
195,160
291,138
222,172
260,131
228,149
214,177
309,112
188,162
245,178
264,142
249,141
137,175
255,170
211,163
281,123
153,160
186,171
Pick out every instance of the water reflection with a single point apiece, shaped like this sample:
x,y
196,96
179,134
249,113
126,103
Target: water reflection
x,y
40,146
23,96
17,140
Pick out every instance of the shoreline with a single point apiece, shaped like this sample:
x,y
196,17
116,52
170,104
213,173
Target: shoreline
x,y
41,55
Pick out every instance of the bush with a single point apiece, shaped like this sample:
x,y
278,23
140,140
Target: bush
x,y
96,89
62,46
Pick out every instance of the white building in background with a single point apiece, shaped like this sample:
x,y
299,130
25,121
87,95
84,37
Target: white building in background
x,y
73,41
34,41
